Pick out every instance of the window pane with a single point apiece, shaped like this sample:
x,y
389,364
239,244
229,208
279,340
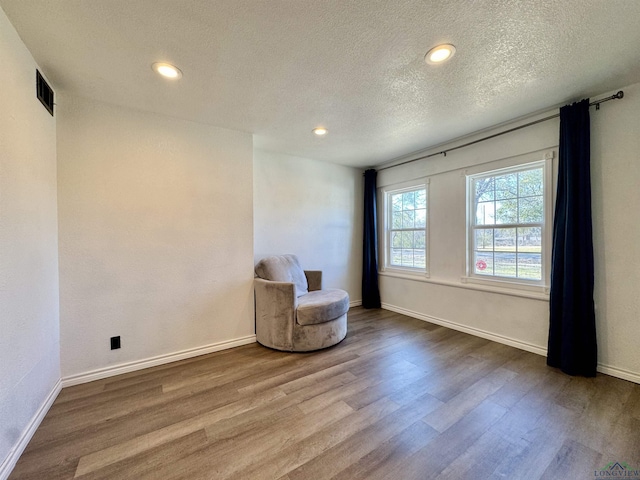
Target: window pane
x,y
530,240
407,257
530,266
484,240
516,199
507,211
531,210
407,239
530,253
530,182
506,186
407,236
397,220
505,239
396,202
408,219
485,213
483,263
483,188
396,239
505,264
396,257
408,201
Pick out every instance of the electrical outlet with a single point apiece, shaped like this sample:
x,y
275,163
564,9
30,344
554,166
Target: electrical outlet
x,y
115,342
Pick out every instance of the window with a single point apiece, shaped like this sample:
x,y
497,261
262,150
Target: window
x,y
406,229
507,224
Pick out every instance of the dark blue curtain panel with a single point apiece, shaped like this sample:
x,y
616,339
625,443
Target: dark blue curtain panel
x,y
572,326
370,290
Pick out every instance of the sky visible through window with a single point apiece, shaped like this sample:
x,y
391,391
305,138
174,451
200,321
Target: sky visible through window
x,y
508,224
408,243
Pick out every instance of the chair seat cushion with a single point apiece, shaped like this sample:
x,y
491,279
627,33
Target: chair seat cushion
x,y
322,306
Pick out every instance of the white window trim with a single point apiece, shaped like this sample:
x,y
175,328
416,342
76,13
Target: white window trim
x,y
500,283
386,268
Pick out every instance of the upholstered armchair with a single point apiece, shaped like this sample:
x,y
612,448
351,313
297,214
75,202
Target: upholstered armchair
x,y
293,313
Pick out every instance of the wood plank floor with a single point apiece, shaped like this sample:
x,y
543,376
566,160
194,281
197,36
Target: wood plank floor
x,y
397,399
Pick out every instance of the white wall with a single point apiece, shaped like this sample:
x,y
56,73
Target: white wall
x,y
29,329
312,209
517,320
615,177
156,235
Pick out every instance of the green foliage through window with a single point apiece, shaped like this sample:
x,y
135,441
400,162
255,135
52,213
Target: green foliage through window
x,y
407,229
508,224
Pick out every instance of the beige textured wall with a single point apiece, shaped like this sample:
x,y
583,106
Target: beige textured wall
x,y
156,235
29,328
312,209
615,184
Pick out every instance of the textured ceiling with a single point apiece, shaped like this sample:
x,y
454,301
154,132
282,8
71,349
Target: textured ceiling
x,y
278,68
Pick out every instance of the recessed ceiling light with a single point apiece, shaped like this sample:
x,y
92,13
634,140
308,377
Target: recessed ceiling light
x,y
320,131
439,54
167,70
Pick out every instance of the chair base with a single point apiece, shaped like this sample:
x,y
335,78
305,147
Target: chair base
x,y
307,338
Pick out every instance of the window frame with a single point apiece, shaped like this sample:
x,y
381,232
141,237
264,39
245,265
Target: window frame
x,y
387,192
546,227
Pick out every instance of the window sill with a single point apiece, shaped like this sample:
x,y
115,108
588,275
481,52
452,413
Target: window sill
x,y
538,292
535,291
416,276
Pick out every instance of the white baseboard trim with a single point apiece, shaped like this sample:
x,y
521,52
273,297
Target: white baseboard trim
x,y
114,370
619,373
355,303
512,342
529,347
10,462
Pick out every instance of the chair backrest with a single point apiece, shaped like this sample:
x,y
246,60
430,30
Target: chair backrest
x,y
283,268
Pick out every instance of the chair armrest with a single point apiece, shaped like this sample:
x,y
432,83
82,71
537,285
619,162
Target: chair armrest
x,y
314,279
276,304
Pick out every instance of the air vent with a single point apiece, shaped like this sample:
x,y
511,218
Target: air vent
x,y
44,92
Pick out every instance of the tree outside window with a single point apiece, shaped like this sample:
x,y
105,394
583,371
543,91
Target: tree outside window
x,y
407,228
507,223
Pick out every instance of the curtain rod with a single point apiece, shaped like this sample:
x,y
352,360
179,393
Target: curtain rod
x,y
597,103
